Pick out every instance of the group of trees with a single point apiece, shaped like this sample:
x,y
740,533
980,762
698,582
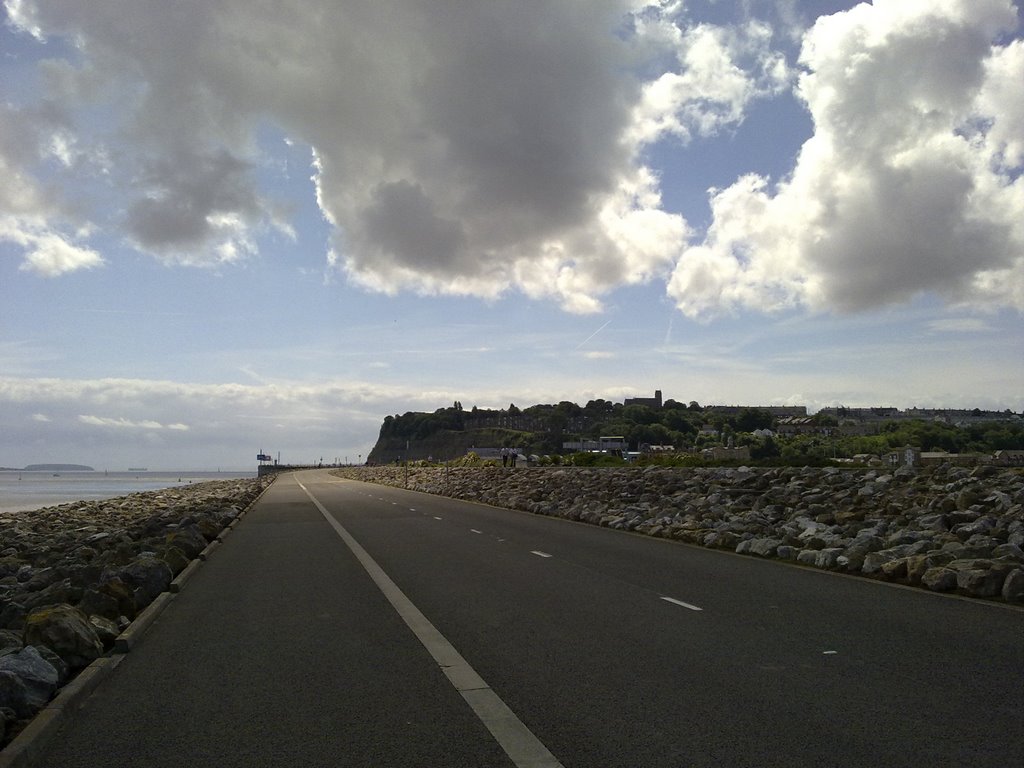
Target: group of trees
x,y
543,428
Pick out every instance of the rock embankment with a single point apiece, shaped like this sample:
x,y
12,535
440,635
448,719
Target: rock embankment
x,y
72,577
947,529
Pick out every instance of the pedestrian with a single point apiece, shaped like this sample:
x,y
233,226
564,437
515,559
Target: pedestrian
x,y
504,457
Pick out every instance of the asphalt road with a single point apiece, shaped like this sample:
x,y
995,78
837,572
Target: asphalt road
x,y
610,650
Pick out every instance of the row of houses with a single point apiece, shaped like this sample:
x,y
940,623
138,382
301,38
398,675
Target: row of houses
x,y
956,416
909,456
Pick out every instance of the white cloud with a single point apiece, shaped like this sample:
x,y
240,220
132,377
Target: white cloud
x,y
911,182
494,148
467,152
721,70
123,423
47,253
960,325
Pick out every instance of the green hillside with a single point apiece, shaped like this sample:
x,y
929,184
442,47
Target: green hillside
x,y
449,433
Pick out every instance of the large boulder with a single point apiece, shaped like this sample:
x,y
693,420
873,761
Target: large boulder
x,y
765,547
1013,586
10,641
147,577
176,560
53,594
66,631
106,630
188,538
113,586
939,579
981,582
34,683
97,603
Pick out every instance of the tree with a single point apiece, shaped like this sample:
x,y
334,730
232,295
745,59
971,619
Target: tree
x,y
750,419
766,449
640,414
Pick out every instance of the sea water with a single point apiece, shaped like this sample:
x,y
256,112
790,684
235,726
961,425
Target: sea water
x,y
21,491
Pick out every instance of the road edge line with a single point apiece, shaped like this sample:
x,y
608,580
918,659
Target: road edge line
x,y
513,736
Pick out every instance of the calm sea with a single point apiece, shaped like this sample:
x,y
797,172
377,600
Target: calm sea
x,y
20,491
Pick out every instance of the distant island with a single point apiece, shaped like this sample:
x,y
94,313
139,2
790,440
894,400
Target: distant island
x,y
58,468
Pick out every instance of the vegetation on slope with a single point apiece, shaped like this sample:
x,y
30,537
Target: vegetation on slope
x,y
451,432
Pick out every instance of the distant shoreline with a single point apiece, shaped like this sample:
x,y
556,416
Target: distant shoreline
x,y
50,468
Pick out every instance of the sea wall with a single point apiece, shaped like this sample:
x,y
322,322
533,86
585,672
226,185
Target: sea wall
x,y
947,529
73,576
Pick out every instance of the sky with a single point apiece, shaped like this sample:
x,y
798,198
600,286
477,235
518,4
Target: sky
x,y
230,226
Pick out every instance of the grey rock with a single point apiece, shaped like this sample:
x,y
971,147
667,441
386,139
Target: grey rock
x,y
786,552
764,547
10,641
807,556
1013,586
933,522
55,593
874,561
828,558
97,603
66,631
15,696
1009,550
981,582
55,661
38,676
106,630
939,579
147,577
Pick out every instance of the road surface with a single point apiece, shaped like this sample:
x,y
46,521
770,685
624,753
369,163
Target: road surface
x,y
347,624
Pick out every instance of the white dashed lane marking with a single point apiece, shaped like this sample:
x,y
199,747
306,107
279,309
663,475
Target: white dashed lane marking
x,y
680,602
538,553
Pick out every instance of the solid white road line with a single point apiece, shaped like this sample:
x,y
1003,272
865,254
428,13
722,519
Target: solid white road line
x,y
523,748
680,602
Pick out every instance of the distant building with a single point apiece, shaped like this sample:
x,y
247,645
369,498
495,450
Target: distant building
x,y
647,448
615,444
726,454
800,425
909,456
650,402
1008,458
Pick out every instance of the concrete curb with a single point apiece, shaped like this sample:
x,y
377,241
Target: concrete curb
x,y
179,581
130,637
210,549
29,746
